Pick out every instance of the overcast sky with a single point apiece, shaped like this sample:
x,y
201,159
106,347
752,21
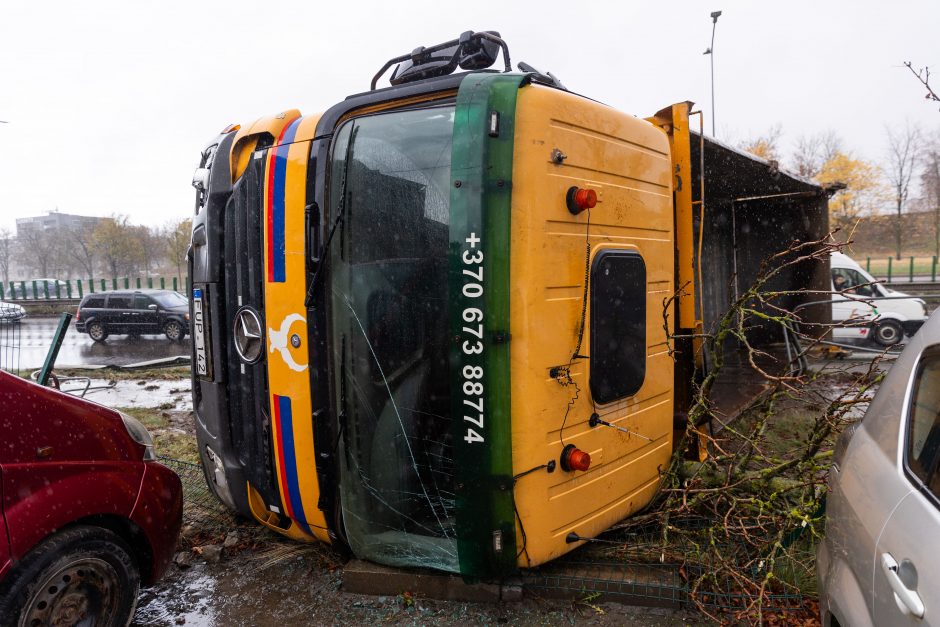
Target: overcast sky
x,y
109,103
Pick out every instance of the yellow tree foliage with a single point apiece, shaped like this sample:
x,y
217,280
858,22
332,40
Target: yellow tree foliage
x,y
864,188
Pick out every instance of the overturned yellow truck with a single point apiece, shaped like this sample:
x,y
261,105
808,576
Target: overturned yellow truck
x,y
430,324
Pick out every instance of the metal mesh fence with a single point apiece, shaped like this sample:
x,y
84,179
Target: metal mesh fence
x,y
10,316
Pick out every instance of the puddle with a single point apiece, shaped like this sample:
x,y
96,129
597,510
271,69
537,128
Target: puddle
x,y
183,601
175,394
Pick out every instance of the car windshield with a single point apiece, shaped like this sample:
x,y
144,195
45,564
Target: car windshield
x,y
170,299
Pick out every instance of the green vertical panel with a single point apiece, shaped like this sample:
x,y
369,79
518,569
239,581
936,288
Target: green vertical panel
x,y
80,290
933,269
58,289
910,273
890,259
104,286
162,283
480,219
138,282
68,288
174,285
91,286
127,283
868,265
149,282
114,282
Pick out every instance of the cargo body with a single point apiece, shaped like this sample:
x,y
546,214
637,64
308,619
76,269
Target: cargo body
x,y
410,338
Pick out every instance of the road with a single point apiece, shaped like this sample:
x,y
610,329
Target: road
x,y
35,336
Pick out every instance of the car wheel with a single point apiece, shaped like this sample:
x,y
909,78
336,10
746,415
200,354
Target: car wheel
x,y
888,332
97,332
82,575
174,331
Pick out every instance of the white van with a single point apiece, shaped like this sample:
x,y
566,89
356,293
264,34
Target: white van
x,y
870,310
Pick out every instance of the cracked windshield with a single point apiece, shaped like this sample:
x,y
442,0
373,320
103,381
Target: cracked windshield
x,y
437,326
390,187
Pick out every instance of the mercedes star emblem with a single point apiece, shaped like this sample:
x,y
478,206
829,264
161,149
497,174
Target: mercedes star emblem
x,y
249,338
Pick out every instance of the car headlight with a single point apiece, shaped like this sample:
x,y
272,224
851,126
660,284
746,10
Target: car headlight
x,y
139,434
186,316
924,305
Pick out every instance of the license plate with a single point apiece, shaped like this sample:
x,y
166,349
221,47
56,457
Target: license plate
x,y
199,335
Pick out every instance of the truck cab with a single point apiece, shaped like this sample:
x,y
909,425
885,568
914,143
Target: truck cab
x,y
433,323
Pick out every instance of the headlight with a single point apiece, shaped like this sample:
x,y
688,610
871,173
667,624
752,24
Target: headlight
x,y
139,434
924,305
186,316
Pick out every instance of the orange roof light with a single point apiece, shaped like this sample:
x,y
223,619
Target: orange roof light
x,y
579,199
231,128
573,458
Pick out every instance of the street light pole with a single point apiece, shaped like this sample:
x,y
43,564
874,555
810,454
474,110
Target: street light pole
x,y
711,51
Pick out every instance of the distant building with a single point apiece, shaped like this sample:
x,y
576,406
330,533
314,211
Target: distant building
x,y
55,220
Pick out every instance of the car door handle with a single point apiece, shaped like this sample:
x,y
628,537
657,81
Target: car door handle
x,y
906,597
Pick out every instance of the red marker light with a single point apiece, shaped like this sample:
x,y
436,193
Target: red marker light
x,y
580,199
573,458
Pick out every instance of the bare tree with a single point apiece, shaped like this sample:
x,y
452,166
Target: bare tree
x,y
81,249
36,249
902,157
6,253
114,239
177,236
150,241
930,183
813,151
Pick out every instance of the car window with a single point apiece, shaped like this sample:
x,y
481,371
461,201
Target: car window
x,y
851,282
922,451
142,302
94,302
119,302
171,299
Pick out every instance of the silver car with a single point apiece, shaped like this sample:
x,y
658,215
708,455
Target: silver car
x,y
879,563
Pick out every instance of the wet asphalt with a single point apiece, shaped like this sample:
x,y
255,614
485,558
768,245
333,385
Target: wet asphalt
x,y
34,336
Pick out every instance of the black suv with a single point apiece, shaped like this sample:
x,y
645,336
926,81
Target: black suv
x,y
134,312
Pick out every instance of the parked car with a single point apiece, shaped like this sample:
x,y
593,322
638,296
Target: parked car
x,y
878,563
872,310
11,312
37,288
88,514
133,312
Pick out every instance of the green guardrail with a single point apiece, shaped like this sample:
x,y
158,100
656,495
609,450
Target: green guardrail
x,y
75,289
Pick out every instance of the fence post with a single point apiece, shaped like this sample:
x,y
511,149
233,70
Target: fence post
x,y
104,286
58,289
91,286
23,288
174,285
149,282
138,282
114,283
868,265
81,293
889,268
910,274
933,270
162,283
68,288
127,283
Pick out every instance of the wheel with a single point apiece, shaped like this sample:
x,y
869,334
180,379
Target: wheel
x,y
97,332
888,332
174,331
80,576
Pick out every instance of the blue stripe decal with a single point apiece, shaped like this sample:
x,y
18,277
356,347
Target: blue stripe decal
x,y
280,179
290,461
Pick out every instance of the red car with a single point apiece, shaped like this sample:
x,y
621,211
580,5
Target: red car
x,y
88,514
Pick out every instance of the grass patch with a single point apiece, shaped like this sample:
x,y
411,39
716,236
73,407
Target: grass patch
x,y
173,373
169,442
